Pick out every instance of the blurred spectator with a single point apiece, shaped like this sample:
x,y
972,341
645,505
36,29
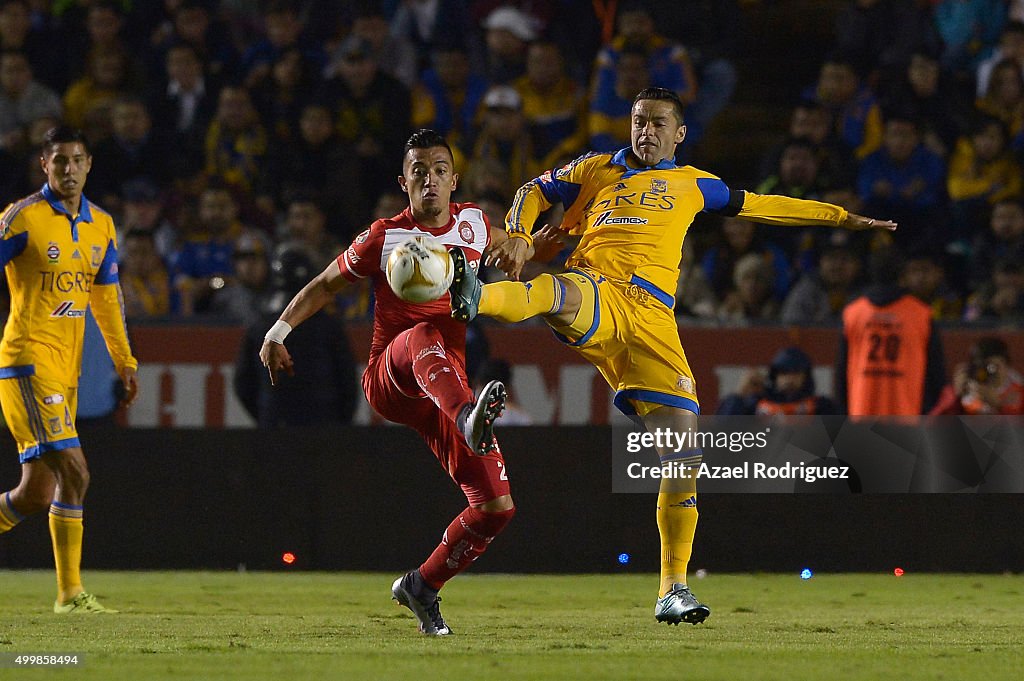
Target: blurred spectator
x,y
282,31
1004,99
740,238
667,63
797,172
193,25
986,384
508,34
448,96
104,22
1001,298
236,140
554,105
855,112
694,295
505,138
1011,46
820,296
811,120
145,283
318,162
185,106
88,100
424,24
880,35
281,96
889,361
22,98
904,181
243,297
787,389
389,204
17,33
372,111
707,29
924,276
306,226
1003,240
981,173
396,57
750,299
321,392
142,208
494,369
969,29
204,260
924,92
608,122
129,153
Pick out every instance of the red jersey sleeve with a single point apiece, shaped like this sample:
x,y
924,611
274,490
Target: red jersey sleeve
x,y
362,258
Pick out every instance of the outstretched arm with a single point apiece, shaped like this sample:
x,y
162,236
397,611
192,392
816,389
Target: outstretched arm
x,y
307,302
783,210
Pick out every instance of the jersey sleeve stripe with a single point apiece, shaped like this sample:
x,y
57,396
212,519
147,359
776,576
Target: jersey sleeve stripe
x,y
715,192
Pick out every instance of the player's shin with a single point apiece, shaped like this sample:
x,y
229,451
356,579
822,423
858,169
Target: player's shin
x,y
66,533
435,373
9,516
463,542
677,523
514,301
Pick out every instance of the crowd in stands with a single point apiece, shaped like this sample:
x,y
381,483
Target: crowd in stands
x,y
225,132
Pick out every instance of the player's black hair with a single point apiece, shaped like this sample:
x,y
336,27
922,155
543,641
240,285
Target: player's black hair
x,y
425,138
665,95
63,134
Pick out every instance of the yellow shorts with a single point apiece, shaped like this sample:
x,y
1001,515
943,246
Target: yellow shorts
x,y
39,413
629,332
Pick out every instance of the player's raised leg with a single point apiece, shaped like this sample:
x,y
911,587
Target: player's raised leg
x,y
421,351
677,522
553,297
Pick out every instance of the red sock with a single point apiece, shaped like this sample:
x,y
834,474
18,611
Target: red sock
x,y
435,373
464,541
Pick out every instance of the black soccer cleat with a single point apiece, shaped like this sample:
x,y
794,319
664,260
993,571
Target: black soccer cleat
x,y
680,605
411,591
465,288
476,422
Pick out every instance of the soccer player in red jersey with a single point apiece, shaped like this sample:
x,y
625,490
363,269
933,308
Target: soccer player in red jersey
x,y
416,373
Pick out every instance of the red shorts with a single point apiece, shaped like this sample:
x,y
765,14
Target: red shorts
x,y
392,391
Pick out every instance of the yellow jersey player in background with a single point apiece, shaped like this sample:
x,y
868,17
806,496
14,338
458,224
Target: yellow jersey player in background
x,y
614,303
60,255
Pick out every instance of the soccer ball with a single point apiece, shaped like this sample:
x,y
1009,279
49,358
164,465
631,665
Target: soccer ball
x,y
420,270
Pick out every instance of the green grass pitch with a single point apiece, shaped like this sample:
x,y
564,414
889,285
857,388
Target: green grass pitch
x,y
282,626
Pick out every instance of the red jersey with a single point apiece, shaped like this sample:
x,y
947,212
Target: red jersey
x,y
367,256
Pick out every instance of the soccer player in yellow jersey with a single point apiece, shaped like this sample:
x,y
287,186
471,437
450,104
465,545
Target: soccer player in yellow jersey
x,y
60,255
614,303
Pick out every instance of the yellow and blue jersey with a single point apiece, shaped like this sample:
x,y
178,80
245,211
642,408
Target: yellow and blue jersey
x,y
633,220
57,265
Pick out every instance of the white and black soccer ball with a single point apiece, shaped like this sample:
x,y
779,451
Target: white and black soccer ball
x,y
420,270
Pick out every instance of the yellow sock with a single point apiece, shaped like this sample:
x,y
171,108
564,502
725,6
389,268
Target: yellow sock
x,y
514,301
677,523
8,516
66,533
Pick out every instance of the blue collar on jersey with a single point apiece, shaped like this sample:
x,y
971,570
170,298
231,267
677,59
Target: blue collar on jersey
x,y
84,212
619,159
